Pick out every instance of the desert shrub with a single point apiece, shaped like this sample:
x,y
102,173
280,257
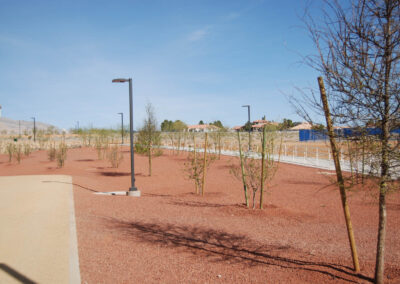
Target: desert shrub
x,y
61,154
42,138
27,149
115,156
140,149
51,152
194,168
252,169
10,149
18,153
101,145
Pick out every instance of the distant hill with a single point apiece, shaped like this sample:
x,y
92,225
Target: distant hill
x,y
11,126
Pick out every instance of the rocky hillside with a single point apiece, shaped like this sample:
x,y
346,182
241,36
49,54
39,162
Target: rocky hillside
x,y
10,126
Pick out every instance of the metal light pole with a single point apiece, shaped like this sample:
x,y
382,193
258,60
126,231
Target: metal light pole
x,y
248,113
122,126
133,191
34,129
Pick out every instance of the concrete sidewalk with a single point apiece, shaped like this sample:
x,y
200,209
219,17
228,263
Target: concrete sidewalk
x,y
38,241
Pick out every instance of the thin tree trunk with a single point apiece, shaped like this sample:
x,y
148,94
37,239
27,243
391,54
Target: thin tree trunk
x,y
204,166
150,159
339,175
195,163
262,168
363,160
380,252
351,161
243,172
219,146
249,141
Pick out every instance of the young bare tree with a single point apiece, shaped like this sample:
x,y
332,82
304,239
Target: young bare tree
x,y
359,58
197,165
257,174
149,137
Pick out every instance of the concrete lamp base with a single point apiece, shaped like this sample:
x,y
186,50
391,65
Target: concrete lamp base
x,y
134,193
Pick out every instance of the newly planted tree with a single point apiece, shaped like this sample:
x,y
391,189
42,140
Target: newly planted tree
x,y
257,174
101,145
51,152
115,155
61,154
18,153
243,173
149,136
269,162
10,148
27,149
358,55
196,166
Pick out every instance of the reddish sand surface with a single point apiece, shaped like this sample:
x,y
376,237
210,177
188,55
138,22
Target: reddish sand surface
x,y
171,235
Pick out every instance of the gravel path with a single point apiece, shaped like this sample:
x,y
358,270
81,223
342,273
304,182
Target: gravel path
x,y
171,235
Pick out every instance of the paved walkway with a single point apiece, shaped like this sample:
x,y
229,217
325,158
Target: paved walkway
x,y
38,241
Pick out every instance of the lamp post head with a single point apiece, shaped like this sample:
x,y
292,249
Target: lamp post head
x,y
120,80
246,106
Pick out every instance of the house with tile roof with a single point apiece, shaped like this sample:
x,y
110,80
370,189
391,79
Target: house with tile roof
x,y
202,128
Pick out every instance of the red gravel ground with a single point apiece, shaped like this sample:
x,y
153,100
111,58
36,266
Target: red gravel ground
x,y
171,235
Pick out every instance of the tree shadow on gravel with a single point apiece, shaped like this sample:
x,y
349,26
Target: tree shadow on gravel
x,y
115,174
304,182
118,174
85,160
75,184
221,246
196,204
155,195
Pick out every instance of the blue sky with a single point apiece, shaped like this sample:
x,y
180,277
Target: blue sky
x,y
193,60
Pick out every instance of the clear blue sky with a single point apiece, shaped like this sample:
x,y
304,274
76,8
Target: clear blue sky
x,y
193,60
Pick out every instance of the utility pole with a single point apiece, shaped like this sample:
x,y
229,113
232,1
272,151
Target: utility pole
x,y
34,129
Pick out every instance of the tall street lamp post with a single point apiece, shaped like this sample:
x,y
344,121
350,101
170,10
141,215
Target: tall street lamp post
x,y
34,129
122,126
249,123
133,191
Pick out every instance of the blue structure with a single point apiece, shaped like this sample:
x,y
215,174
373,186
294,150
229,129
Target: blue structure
x,y
314,135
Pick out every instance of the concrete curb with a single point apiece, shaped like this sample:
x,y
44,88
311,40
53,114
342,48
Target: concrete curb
x,y
74,271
